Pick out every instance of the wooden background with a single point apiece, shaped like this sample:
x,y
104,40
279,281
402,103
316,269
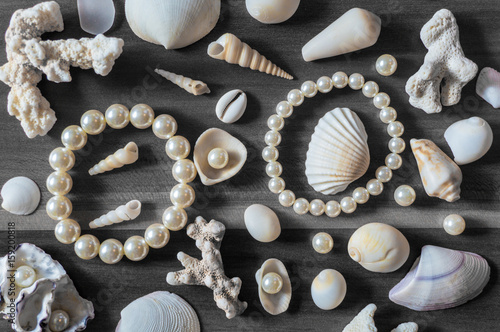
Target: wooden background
x,y
132,81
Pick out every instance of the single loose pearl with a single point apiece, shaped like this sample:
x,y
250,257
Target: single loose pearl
x,y
395,129
375,187
284,109
59,321
287,198
272,283
340,80
322,243
324,84
274,168
272,138
356,81
111,251
177,147
332,209
184,171
317,207
386,65
270,153
73,137
174,218
301,206
142,116
383,174
295,97
157,236
393,161
397,145
454,224
59,183
62,159
117,116
218,158
370,89
348,204
87,246
275,122
24,276
381,99
182,195
404,195
59,207
276,185
93,122
309,89
67,231
388,114
164,126
361,195
136,248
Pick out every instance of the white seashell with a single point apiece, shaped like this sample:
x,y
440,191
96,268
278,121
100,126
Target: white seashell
x,y
379,247
129,211
353,31
125,156
363,322
96,16
218,138
338,152
158,312
232,50
231,106
328,289
441,278
469,139
262,223
488,86
20,196
272,11
194,87
278,303
172,23
406,327
440,176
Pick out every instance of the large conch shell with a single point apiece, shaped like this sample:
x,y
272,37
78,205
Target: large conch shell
x,y
194,87
20,195
125,156
232,50
158,312
441,278
488,86
129,211
278,303
272,11
338,152
363,322
440,175
172,23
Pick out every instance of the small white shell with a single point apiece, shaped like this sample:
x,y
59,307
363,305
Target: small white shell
x,y
231,106
96,16
469,139
194,87
20,195
488,86
128,211
272,11
278,303
262,223
124,156
328,289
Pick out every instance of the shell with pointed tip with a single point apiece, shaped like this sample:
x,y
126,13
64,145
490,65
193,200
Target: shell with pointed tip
x,y
441,278
363,320
172,23
488,86
194,87
272,11
159,312
128,211
440,176
338,152
125,156
20,195
379,247
328,289
278,303
232,50
406,327
469,139
96,16
218,138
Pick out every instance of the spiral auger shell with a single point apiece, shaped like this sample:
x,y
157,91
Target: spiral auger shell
x,y
125,156
194,87
128,211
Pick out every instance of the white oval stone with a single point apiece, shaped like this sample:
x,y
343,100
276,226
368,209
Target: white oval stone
x,y
262,223
328,289
231,106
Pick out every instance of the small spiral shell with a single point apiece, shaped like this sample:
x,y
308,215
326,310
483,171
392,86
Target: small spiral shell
x,y
125,156
194,87
129,211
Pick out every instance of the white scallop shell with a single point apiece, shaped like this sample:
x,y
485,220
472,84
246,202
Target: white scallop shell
x,y
20,195
278,303
272,11
159,312
338,152
328,289
231,106
262,223
488,86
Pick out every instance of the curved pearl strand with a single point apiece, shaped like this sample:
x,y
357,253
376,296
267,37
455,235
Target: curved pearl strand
x,y
59,183
374,187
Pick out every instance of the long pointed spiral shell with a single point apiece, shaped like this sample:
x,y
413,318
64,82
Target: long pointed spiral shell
x,y
231,49
129,211
125,156
192,86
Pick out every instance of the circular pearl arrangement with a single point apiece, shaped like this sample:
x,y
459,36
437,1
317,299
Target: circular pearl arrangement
x,y
454,224
59,183
383,174
272,283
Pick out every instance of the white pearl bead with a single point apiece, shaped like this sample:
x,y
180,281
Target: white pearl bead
x,y
370,89
356,81
24,276
340,80
272,138
157,236
404,195
184,171
395,129
142,116
348,204
59,183
301,206
393,161
177,147
62,159
272,283
274,168
136,248
375,187
73,137
111,251
361,195
295,97
386,65
388,114
117,116
322,243
309,89
218,158
381,100
332,209
270,153
276,185
59,321
174,218
287,198
397,145
317,207
454,224
164,126
275,122
93,122
59,207
67,231
182,195
284,109
324,84
383,174
87,246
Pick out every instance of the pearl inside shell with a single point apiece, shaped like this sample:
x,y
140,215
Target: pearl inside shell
x,y
272,283
218,158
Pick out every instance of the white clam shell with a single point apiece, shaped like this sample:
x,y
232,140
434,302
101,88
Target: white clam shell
x,y
379,247
441,278
262,223
96,16
231,106
272,11
159,312
278,303
338,152
469,139
328,289
20,195
488,86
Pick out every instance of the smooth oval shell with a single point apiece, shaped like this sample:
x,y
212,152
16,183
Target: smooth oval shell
x,y
272,11
278,303
262,223
96,16
488,86
20,195
379,247
328,289
231,106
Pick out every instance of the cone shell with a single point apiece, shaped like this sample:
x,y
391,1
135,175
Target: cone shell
x,y
20,196
278,303
441,278
192,86
338,152
488,86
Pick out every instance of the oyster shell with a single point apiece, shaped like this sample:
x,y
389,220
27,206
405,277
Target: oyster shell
x,y
20,196
488,86
278,303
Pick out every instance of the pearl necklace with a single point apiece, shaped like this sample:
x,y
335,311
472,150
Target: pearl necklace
x,y
360,195
59,183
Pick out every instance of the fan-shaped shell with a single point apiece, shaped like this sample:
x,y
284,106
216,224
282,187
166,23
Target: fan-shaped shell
x,y
20,195
441,278
488,86
338,152
278,303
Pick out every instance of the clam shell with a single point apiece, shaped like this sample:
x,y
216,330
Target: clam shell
x,y
96,16
328,289
441,278
338,152
488,86
231,106
218,138
20,195
278,303
262,223
159,312
272,11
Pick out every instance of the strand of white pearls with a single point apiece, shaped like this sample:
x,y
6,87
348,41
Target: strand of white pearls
x,y
360,195
59,183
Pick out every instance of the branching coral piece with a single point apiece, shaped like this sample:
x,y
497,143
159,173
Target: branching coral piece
x,y
445,60
363,322
28,57
210,270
